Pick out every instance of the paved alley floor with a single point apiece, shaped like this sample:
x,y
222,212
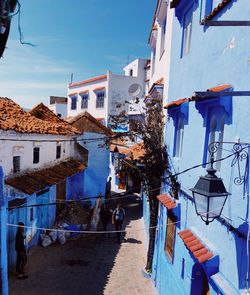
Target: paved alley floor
x,y
90,264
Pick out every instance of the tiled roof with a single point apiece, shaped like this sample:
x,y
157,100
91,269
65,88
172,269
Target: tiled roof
x,y
72,94
99,88
13,117
175,103
195,246
136,151
121,145
84,92
167,201
216,10
217,88
159,82
84,122
38,180
94,79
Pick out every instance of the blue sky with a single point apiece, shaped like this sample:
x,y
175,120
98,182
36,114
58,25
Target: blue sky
x,y
84,37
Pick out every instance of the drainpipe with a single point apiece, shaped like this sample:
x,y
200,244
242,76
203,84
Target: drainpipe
x,y
4,262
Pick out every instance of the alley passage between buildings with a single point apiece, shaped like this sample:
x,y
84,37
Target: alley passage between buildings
x,y
91,264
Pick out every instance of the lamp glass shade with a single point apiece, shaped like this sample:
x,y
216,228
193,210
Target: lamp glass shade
x,y
210,196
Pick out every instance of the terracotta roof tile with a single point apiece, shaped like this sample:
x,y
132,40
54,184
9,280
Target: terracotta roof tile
x,y
195,246
84,122
94,79
13,117
99,88
219,88
84,92
72,94
175,103
37,180
216,10
136,151
167,201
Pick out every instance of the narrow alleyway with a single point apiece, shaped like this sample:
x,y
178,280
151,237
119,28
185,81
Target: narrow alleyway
x,y
91,264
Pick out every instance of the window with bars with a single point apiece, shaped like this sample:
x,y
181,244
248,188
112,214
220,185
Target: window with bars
x,y
170,237
187,32
84,102
58,151
100,99
73,102
16,164
36,153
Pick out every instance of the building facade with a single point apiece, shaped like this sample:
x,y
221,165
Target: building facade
x,y
41,165
109,94
207,101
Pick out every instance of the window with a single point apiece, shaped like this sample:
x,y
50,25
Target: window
x,y
73,102
36,152
58,151
59,115
16,164
153,61
131,72
215,121
215,132
187,31
84,103
100,99
170,237
163,34
31,214
178,137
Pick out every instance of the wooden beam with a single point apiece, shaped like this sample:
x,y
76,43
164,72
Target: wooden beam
x,y
225,23
204,94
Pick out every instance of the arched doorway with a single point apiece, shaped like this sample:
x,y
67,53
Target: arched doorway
x,y
199,284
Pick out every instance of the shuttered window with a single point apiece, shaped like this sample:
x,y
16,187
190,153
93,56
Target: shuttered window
x,y
170,237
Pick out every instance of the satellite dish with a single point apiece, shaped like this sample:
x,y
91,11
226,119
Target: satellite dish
x,y
134,89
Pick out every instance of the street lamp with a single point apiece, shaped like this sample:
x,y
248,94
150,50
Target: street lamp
x,y
209,195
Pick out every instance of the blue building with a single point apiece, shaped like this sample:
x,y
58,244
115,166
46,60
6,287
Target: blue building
x,y
41,163
94,138
207,101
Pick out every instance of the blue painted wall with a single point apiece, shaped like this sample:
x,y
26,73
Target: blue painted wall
x,y
97,172
218,55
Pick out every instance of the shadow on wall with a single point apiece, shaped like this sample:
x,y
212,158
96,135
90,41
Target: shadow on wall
x,y
243,260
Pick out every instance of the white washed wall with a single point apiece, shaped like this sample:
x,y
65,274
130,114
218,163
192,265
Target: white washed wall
x,y
24,149
95,112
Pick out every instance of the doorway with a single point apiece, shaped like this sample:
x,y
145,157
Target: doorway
x,y
199,285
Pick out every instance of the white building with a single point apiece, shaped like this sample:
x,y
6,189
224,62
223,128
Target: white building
x,y
107,95
58,105
160,44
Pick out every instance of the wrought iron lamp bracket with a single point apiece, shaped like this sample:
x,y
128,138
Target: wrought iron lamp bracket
x,y
239,152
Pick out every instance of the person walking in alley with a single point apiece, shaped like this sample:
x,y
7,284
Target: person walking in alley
x,y
21,251
105,216
108,189
117,220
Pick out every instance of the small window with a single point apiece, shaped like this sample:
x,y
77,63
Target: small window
x,y
178,138
170,237
163,34
100,99
36,152
31,214
58,151
131,72
187,32
73,102
59,115
16,164
84,103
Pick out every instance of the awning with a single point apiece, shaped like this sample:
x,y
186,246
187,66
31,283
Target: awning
x,y
195,246
99,89
167,201
175,103
210,93
35,181
84,92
